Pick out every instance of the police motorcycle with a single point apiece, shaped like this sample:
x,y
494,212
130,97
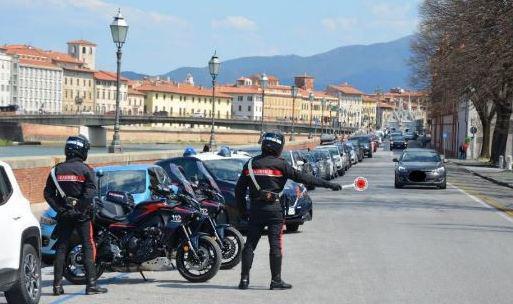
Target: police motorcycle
x,y
210,202
146,237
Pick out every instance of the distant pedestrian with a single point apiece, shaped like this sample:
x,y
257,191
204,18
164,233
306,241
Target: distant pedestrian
x,y
206,148
463,151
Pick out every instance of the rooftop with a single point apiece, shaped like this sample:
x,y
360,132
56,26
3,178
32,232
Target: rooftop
x,y
107,76
185,89
80,41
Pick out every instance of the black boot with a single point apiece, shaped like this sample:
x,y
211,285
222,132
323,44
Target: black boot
x,y
93,288
244,282
247,261
57,288
276,281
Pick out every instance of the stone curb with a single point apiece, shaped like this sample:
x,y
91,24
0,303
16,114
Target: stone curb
x,y
490,179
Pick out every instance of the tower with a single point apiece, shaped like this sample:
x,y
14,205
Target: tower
x,y
84,51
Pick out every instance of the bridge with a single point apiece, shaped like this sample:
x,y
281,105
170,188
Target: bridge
x,y
97,133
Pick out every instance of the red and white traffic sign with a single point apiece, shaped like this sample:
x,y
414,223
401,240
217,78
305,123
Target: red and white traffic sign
x,y
360,184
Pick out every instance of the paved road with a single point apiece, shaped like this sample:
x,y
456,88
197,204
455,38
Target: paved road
x,y
380,246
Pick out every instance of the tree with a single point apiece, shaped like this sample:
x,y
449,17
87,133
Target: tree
x,y
464,49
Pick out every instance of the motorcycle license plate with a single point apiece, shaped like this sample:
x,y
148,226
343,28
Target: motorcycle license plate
x,y
292,211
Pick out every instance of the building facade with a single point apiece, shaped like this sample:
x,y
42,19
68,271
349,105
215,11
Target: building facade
x,y
135,104
184,100
369,111
350,104
78,90
84,51
105,92
6,67
246,101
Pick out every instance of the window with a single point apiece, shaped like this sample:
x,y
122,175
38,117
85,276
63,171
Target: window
x,y
240,98
83,50
250,98
5,187
240,108
249,108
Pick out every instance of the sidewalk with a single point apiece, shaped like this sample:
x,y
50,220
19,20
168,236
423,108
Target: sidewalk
x,y
484,170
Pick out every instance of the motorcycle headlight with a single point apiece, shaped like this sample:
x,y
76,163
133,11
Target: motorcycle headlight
x,y
401,169
47,221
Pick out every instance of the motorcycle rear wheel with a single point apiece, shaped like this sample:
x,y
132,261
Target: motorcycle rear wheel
x,y
74,270
202,270
234,243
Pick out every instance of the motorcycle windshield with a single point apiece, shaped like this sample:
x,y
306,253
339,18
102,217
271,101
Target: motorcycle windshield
x,y
178,178
208,179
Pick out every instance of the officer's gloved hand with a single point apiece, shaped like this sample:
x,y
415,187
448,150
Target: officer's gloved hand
x,y
335,187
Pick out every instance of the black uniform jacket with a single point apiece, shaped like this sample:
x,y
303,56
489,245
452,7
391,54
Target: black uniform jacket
x,y
271,174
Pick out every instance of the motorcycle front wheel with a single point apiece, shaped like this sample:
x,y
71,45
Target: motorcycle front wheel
x,y
74,270
233,243
203,267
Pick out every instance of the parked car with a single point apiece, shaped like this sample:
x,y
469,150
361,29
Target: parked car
x,y
134,179
20,257
366,143
337,159
330,161
224,171
309,159
198,115
295,159
398,142
345,154
322,163
352,152
420,167
161,113
358,148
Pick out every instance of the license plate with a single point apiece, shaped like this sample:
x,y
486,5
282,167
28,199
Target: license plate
x,y
292,211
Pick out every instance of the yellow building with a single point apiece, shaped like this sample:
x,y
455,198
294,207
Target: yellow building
x,y
105,88
369,108
77,90
167,98
135,103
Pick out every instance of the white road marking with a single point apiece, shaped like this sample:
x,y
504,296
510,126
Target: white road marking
x,y
483,203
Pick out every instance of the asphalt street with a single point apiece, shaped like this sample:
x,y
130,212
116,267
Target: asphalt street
x,y
384,245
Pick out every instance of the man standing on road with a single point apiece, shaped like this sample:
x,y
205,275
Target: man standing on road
x,y
265,176
70,190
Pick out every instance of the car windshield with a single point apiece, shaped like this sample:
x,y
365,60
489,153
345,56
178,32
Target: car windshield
x,y
332,150
226,169
397,138
422,156
133,181
362,139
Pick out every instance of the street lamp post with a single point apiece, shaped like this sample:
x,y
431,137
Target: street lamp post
x,y
119,30
263,84
213,66
294,91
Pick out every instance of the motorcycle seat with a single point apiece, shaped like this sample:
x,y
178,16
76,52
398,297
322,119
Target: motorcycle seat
x,y
114,211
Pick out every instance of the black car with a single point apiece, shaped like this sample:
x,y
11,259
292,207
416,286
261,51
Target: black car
x,y
398,142
420,167
224,172
358,148
365,143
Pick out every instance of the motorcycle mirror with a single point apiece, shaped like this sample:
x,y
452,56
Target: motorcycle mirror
x,y
99,173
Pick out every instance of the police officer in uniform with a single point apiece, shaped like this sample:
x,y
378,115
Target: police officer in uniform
x,y
70,190
265,176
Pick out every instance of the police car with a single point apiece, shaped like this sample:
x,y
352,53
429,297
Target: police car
x,y
223,168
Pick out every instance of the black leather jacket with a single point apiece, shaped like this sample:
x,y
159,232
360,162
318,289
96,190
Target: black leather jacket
x,y
77,180
271,174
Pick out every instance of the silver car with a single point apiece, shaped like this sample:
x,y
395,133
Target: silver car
x,y
335,154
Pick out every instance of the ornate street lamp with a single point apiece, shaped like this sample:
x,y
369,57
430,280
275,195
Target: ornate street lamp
x,y
213,66
119,30
264,81
293,91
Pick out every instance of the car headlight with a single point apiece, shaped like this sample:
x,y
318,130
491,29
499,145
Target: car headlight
x,y
47,221
437,171
401,169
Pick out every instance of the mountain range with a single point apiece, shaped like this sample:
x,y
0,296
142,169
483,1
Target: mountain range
x,y
367,67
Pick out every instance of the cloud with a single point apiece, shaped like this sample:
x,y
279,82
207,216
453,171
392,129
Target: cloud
x,y
394,15
341,23
103,9
235,22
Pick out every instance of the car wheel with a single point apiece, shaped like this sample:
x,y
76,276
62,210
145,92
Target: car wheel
x,y
28,287
292,227
397,184
443,185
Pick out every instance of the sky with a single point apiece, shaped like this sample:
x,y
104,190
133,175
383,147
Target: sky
x,y
168,34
